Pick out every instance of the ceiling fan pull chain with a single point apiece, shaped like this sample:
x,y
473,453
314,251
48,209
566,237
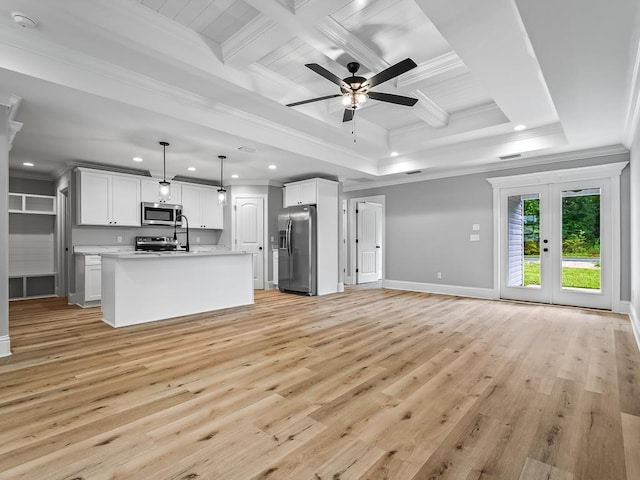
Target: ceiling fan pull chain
x,y
353,127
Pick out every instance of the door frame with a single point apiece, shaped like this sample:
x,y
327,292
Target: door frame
x,y
350,262
610,171
265,231
358,244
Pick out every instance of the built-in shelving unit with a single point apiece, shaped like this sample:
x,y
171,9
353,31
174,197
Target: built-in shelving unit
x,y
32,204
31,254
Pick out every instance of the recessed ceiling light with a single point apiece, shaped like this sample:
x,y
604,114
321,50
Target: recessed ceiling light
x,y
27,164
191,169
394,154
137,159
234,176
272,167
519,128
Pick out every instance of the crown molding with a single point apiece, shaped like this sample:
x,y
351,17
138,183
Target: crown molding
x,y
492,167
445,63
247,35
633,110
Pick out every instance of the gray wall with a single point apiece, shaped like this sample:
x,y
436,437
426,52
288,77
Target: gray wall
x,y
29,185
428,226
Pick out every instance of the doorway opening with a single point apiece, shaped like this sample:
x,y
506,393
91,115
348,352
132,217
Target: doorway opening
x,y
63,238
558,237
248,232
366,252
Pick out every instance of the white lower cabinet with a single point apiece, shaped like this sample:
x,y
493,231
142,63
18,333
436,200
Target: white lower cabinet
x,y
88,280
92,282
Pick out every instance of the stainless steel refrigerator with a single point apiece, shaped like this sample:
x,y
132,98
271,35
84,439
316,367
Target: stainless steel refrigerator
x,y
297,250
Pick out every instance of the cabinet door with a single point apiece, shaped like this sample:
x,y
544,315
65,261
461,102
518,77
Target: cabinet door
x,y
292,195
94,198
92,282
308,193
212,212
191,205
125,201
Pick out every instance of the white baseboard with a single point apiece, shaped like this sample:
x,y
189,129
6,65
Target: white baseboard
x,y
635,323
340,287
474,292
622,307
5,346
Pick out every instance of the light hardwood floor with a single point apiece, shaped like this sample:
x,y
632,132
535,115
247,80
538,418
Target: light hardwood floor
x,y
369,384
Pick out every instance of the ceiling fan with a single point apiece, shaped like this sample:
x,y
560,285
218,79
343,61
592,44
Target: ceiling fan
x,y
357,90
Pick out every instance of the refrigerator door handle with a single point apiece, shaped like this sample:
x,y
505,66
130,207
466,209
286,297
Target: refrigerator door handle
x,y
289,249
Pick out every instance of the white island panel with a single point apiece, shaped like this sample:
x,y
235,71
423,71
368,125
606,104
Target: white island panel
x,y
140,288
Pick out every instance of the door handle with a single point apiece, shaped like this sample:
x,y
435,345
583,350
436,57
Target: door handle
x,y
259,248
377,246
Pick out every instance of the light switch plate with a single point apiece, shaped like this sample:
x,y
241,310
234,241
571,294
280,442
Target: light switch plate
x,y
119,239
474,238
476,227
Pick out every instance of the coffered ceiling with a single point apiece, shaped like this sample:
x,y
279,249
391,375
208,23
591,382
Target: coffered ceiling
x,y
101,82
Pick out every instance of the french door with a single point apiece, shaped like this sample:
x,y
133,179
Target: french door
x,y
556,243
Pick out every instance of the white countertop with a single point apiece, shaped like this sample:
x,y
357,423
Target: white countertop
x,y
179,254
107,249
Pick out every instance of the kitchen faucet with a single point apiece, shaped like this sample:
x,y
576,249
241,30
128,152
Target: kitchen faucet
x,y
175,232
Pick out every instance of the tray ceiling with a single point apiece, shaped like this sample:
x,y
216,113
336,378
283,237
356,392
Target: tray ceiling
x,y
113,78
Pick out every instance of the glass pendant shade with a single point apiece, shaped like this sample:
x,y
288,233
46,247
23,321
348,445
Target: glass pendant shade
x,y
165,187
165,191
222,197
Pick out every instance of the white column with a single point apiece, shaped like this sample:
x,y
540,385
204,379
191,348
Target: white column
x,y
5,346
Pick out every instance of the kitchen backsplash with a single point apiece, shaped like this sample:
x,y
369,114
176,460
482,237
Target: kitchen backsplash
x,y
83,235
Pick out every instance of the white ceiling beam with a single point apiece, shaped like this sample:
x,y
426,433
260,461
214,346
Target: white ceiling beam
x,y
437,69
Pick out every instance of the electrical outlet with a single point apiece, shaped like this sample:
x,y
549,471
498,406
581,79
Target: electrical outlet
x,y
197,239
475,227
119,239
439,275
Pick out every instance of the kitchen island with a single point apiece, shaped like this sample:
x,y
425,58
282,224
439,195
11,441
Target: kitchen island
x,y
140,287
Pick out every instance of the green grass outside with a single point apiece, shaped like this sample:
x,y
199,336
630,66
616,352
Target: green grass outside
x,y
572,277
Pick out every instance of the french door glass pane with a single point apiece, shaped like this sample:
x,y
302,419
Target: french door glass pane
x,y
523,222
581,239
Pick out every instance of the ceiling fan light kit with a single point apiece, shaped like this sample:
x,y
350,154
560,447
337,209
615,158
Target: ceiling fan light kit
x,y
356,90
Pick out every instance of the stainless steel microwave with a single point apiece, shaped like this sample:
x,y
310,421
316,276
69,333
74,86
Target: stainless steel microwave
x,y
160,213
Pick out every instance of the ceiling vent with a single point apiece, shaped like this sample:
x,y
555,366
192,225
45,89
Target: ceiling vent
x,y
247,149
509,157
24,21
413,172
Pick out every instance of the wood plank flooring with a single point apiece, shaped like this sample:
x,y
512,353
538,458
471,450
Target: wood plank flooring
x,y
369,384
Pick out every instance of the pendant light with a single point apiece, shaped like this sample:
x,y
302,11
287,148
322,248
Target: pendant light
x,y
222,193
165,187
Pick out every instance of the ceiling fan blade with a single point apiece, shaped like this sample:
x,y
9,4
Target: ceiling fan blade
x,y
391,72
391,98
312,100
348,115
320,70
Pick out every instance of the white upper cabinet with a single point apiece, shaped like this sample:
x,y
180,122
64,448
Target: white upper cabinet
x,y
150,191
108,199
200,206
301,193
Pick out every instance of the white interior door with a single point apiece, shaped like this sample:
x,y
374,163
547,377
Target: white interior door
x,y
556,243
249,233
368,242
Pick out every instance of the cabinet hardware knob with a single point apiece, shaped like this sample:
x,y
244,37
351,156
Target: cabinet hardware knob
x,y
545,249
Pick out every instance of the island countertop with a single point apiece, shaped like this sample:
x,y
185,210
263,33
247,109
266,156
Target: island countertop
x,y
170,254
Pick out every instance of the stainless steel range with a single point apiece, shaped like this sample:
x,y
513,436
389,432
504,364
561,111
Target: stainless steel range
x,y
156,244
